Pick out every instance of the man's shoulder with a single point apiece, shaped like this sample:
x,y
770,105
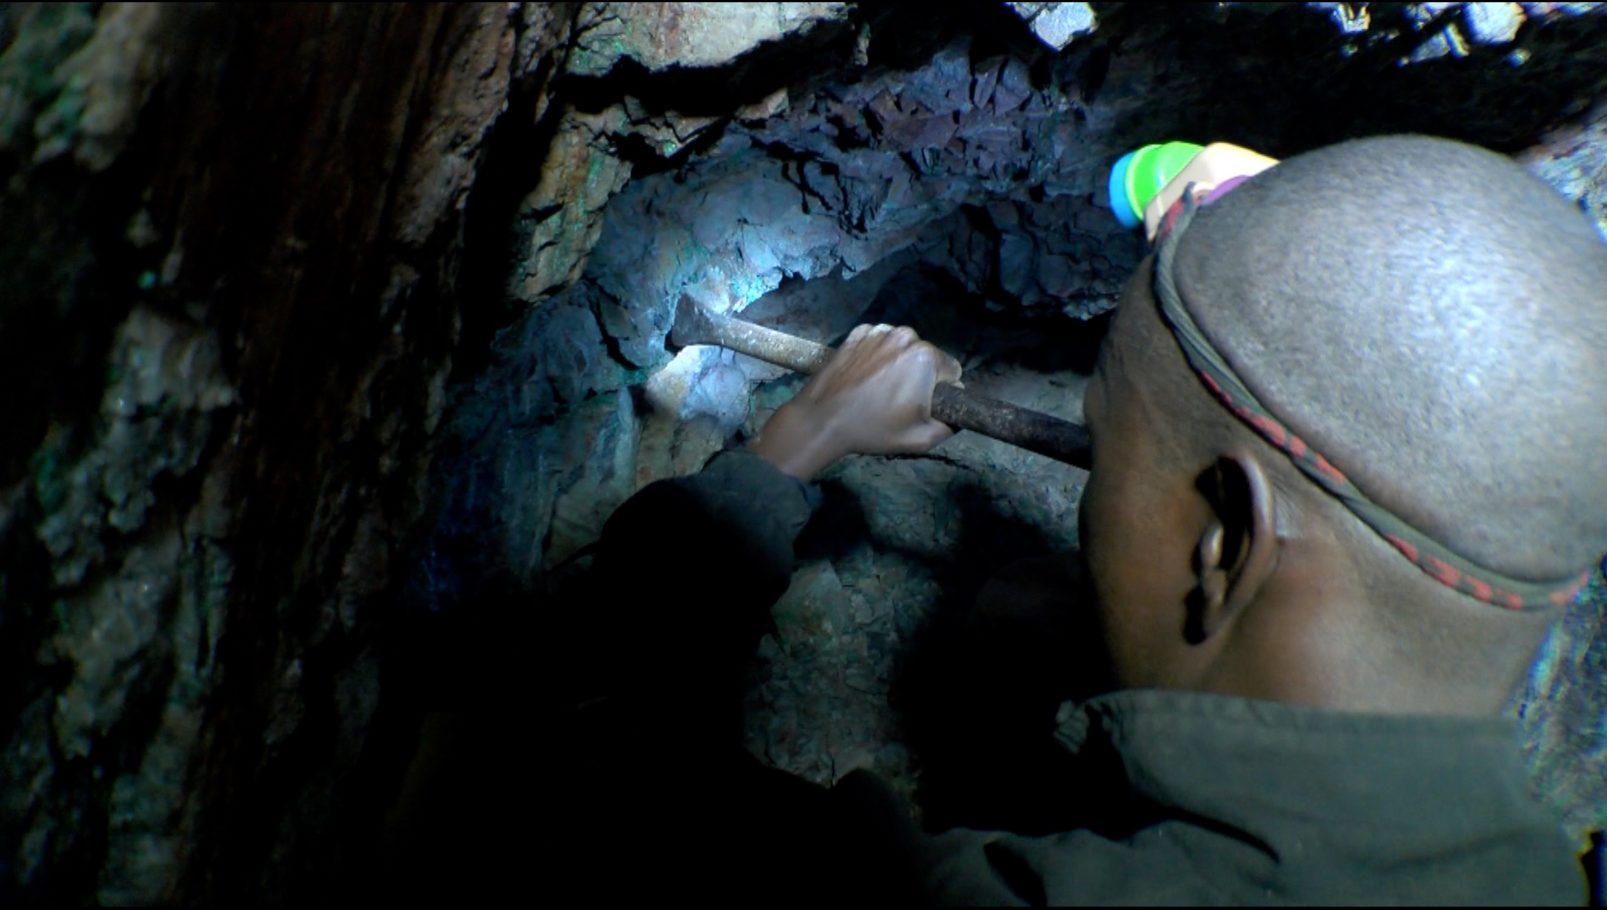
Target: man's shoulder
x,y
1206,798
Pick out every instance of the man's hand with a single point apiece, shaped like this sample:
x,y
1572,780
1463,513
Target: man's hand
x,y
873,397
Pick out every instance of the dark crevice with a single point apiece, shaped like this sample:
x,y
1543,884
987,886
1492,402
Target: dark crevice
x,y
610,343
495,232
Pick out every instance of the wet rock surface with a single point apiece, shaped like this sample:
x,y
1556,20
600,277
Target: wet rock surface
x,y
325,326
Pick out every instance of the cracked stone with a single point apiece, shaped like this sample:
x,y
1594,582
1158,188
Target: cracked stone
x,y
1493,23
1058,24
578,177
694,35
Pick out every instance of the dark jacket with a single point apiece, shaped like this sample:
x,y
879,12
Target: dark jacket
x,y
1208,799
1186,797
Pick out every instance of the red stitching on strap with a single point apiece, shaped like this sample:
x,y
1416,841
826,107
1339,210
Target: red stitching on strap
x,y
1445,573
1407,550
1330,470
1270,429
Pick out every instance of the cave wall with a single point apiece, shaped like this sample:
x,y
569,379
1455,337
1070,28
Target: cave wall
x,y
231,236
327,325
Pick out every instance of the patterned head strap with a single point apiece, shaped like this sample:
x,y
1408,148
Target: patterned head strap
x,y
1427,554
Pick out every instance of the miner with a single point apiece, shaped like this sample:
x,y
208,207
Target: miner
x,y
1345,427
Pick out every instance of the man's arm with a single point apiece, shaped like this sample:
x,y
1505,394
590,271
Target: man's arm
x,y
652,791
686,569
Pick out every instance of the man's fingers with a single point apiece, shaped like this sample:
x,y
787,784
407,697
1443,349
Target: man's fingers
x,y
948,367
924,435
864,332
944,367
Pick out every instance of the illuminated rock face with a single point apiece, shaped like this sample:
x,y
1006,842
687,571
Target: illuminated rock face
x,y
325,325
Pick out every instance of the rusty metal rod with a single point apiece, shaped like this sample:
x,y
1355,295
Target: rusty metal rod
x,y
958,407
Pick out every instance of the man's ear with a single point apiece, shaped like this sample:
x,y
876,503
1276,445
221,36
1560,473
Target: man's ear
x,y
1238,548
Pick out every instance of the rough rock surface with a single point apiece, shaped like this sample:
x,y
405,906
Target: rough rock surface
x,y
659,36
326,325
1057,24
225,341
1563,709
1574,160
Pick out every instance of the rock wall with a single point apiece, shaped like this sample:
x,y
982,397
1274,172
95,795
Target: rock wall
x,y
332,334
231,239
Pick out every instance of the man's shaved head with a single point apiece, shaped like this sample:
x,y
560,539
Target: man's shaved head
x,y
1434,320
1429,318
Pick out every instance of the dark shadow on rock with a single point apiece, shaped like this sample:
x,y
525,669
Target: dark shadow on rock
x,y
459,772
826,307
1310,91
978,693
836,528
936,304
